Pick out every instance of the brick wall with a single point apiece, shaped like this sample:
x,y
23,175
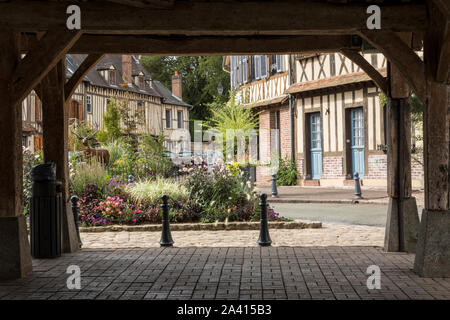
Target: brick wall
x,y
285,132
333,167
377,167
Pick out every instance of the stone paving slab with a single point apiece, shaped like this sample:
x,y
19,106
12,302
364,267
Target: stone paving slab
x,y
298,272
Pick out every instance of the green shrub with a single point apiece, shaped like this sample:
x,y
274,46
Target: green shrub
x,y
149,192
287,172
90,173
116,150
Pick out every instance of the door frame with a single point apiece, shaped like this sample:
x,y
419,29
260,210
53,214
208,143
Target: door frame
x,y
307,141
348,163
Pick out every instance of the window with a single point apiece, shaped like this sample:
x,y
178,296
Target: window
x,y
260,67
276,64
141,82
252,68
89,104
168,118
332,65
374,60
244,69
141,109
112,77
180,119
233,71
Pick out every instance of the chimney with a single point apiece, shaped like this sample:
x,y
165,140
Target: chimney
x,y
127,69
177,85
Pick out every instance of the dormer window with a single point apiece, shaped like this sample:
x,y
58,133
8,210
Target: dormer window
x,y
141,82
112,77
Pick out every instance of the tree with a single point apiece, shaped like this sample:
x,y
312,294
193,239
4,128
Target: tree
x,y
201,77
111,121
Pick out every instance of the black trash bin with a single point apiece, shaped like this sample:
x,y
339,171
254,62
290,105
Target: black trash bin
x,y
45,212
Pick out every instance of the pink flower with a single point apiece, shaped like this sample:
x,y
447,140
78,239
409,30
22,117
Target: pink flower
x,y
134,220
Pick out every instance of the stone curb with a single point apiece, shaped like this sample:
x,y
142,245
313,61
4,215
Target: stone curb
x,y
207,226
343,201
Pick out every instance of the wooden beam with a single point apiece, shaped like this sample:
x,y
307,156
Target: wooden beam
x,y
40,60
443,67
402,56
373,73
205,45
71,85
154,4
216,17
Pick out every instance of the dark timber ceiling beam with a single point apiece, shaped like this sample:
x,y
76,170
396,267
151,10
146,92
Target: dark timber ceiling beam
x,y
43,57
373,73
402,56
216,17
203,45
443,67
72,84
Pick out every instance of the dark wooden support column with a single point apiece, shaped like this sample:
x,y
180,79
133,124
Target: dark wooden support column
x,y
433,247
55,139
15,257
402,223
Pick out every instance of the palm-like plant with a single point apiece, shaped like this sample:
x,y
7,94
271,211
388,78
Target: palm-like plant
x,y
233,115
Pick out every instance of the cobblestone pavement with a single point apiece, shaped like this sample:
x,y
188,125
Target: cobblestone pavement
x,y
328,263
329,272
328,235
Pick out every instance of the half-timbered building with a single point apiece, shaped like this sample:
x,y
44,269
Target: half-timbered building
x,y
119,77
326,113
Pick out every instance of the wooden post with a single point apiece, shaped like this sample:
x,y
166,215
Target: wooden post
x,y
15,254
55,140
433,253
402,220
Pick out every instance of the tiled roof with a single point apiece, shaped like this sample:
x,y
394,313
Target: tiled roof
x,y
169,98
156,89
332,82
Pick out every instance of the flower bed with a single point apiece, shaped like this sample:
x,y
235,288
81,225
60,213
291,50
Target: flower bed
x,y
205,195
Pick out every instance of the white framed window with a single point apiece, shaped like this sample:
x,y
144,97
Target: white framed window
x,y
263,66
168,118
89,103
257,67
180,119
245,69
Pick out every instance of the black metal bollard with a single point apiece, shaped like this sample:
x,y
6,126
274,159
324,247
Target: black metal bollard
x,y
264,237
166,237
357,187
75,207
274,186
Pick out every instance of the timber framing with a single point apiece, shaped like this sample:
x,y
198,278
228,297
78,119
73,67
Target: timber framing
x,y
72,84
402,56
217,17
43,57
202,45
373,73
